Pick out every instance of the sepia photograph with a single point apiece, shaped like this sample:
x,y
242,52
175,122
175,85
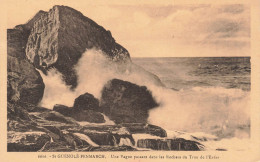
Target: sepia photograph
x,y
129,77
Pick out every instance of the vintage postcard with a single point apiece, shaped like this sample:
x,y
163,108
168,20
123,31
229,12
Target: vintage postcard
x,y
130,80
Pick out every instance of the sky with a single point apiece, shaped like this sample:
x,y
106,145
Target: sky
x,y
159,29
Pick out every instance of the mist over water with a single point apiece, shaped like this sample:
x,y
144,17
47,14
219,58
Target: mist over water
x,y
211,110
220,111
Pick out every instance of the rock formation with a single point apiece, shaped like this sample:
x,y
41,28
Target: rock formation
x,y
125,102
61,36
85,109
24,82
177,144
57,39
86,102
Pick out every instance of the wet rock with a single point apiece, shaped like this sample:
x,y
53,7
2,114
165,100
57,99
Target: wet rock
x,y
57,147
178,144
26,141
100,137
80,114
32,107
88,116
53,116
86,102
58,40
125,102
145,128
112,136
64,110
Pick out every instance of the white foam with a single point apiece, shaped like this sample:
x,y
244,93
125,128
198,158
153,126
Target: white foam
x,y
125,142
208,110
86,138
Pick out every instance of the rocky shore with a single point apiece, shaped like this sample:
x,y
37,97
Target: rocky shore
x,y
57,39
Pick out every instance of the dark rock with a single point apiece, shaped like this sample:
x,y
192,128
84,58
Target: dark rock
x,y
18,119
57,147
26,141
75,141
17,37
88,116
32,107
24,82
60,36
55,116
15,111
80,114
111,136
178,144
86,102
64,110
100,137
144,128
125,102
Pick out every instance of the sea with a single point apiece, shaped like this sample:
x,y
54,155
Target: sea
x,y
203,99
187,72
210,101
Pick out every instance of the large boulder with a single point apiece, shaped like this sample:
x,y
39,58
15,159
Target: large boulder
x,y
24,81
61,36
125,102
86,102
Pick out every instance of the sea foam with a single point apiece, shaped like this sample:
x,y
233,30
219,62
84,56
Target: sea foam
x,y
221,112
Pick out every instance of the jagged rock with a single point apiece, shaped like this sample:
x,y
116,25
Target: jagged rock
x,y
89,116
60,36
16,43
64,110
24,82
144,128
178,144
125,102
86,102
17,37
28,26
100,137
56,117
57,147
15,111
80,114
26,141
111,136
18,118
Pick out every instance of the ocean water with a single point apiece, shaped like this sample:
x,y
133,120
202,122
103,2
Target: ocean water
x,y
209,99
186,72
204,99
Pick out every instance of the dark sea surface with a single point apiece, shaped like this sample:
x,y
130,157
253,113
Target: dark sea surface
x,y
187,72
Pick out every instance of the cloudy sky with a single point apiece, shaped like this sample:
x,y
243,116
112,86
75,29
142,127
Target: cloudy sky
x,y
160,29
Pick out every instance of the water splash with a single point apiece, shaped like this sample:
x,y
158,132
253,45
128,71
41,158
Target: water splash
x,y
86,138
